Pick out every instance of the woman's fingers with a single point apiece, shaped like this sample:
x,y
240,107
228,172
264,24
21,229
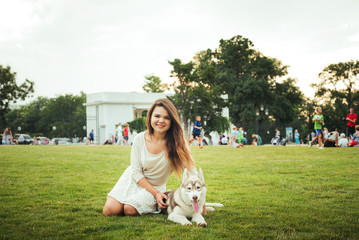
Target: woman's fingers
x,y
159,199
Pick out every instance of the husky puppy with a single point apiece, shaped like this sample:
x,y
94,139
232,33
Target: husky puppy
x,y
189,200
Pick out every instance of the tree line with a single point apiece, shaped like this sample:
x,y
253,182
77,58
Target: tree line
x,y
235,75
257,99
62,116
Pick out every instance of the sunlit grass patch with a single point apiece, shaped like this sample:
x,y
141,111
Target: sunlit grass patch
x,y
267,192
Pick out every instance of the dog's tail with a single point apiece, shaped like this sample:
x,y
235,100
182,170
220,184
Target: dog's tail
x,y
210,206
214,205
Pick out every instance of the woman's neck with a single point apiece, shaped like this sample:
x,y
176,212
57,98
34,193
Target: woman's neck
x,y
158,136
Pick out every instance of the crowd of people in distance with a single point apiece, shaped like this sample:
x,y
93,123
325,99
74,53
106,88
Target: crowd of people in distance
x,y
321,135
119,138
332,138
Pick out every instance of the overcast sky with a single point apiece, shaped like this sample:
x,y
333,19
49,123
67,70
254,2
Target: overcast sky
x,y
68,46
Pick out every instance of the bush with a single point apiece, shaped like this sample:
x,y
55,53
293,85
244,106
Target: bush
x,y
139,124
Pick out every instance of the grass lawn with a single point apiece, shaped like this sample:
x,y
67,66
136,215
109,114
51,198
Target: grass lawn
x,y
58,192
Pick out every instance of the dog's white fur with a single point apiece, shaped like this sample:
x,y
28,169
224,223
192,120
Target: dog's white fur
x,y
189,200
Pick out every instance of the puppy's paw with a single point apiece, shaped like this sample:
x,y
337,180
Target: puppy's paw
x,y
202,224
188,223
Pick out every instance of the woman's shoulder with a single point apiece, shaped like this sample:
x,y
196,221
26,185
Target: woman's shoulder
x,y
139,137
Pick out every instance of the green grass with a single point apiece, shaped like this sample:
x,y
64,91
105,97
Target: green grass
x,y
58,192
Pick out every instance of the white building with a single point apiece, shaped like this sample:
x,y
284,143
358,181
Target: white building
x,y
107,109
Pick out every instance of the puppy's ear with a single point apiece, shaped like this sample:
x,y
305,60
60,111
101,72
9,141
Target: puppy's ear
x,y
185,175
200,174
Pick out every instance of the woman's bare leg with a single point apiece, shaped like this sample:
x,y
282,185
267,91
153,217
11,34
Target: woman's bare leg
x,y
113,207
320,140
130,211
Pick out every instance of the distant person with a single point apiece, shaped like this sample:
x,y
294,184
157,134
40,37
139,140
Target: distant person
x,y
7,136
108,142
233,135
197,127
241,138
257,140
277,133
351,118
355,141
238,142
91,137
343,141
21,139
224,140
325,134
125,134
318,121
296,137
312,136
308,138
119,131
34,141
333,138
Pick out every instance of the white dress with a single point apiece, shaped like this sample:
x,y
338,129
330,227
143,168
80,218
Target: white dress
x,y
156,168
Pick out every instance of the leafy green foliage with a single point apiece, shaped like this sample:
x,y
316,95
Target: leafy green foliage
x,y
339,81
153,84
138,124
11,92
197,93
66,113
248,78
337,92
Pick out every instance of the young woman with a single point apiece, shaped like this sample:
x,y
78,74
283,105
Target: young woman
x,y
325,134
155,154
257,139
296,137
7,136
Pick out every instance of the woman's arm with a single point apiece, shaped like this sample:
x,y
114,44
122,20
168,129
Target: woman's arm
x,y
137,172
157,194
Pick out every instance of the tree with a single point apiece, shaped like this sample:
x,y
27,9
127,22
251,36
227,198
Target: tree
x,y
339,82
153,84
184,74
337,92
138,124
287,101
65,112
11,92
196,93
249,76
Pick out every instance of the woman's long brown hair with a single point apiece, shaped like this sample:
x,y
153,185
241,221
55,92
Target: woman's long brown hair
x,y
177,150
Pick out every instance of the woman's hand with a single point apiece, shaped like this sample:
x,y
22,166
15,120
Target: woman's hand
x,y
159,198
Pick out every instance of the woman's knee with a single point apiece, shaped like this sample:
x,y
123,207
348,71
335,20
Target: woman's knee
x,y
112,208
130,211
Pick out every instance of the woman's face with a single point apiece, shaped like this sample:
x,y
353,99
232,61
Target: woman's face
x,y
160,120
